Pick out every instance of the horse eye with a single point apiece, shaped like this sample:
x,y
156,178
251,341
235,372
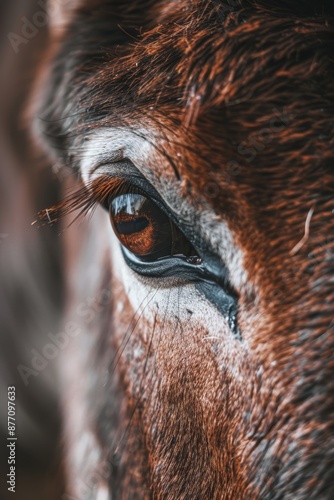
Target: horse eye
x,y
145,230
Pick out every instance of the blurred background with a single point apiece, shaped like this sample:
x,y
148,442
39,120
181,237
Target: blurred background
x,y
31,275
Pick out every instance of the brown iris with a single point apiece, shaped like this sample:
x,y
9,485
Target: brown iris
x,y
144,229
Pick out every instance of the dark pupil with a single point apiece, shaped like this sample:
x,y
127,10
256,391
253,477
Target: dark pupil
x,y
144,229
132,226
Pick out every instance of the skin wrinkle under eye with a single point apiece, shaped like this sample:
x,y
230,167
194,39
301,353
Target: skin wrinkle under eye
x,y
104,147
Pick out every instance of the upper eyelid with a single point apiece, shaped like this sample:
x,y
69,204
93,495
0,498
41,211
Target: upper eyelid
x,y
115,145
127,170
107,166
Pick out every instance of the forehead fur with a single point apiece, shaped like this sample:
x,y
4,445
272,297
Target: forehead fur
x,y
208,60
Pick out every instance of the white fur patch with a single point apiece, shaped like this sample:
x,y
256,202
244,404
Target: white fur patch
x,y
103,493
59,12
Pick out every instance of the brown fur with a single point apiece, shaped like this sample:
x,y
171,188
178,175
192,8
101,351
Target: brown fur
x,y
245,93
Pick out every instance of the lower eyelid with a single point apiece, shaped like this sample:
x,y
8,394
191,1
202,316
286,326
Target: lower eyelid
x,y
169,267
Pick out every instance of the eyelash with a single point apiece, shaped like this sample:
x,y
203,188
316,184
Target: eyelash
x,y
98,192
101,191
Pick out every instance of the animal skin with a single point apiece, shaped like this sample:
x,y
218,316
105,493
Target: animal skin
x,y
199,386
